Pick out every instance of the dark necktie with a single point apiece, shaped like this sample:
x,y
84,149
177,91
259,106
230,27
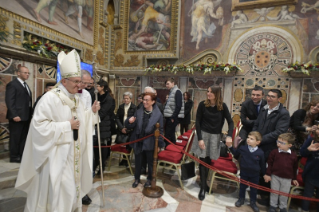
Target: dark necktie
x,y
26,87
257,109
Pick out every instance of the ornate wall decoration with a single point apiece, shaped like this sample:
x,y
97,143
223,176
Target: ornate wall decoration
x,y
244,4
161,34
101,38
100,58
4,30
5,63
118,41
264,51
133,61
162,63
238,95
89,55
127,81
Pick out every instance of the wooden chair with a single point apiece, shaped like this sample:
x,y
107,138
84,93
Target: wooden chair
x,y
172,158
123,152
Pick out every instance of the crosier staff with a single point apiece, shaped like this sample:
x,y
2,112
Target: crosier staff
x,y
95,76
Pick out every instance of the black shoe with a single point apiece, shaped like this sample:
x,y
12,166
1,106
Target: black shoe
x,y
201,194
254,206
283,210
272,209
240,202
143,171
135,184
123,163
147,184
263,201
86,200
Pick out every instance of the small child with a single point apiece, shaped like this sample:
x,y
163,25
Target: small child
x,y
252,162
282,168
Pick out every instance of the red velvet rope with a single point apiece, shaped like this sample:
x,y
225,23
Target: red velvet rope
x,y
240,180
232,177
124,144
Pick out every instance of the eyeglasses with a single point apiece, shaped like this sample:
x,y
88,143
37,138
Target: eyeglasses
x,y
281,143
86,83
76,82
272,97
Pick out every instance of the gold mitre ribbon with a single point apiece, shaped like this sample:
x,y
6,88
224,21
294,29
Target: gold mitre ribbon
x,y
70,64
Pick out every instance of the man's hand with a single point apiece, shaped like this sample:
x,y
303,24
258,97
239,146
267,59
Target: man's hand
x,y
123,130
96,106
201,144
75,124
267,178
295,182
17,119
247,118
132,120
313,147
172,120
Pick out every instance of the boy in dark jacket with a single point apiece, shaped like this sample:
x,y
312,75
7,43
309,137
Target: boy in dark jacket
x,y
251,164
282,168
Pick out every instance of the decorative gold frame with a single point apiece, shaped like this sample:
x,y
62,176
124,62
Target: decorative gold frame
x,y
260,4
174,26
55,35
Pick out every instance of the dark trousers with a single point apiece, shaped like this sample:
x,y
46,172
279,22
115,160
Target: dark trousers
x,y
243,187
170,130
308,192
18,135
183,128
138,164
105,152
144,160
264,194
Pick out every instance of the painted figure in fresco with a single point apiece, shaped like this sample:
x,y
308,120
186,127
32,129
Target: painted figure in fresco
x,y
151,25
202,27
284,14
242,18
46,3
307,7
75,5
89,11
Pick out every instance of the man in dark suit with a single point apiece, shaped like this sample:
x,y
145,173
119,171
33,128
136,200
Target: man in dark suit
x,y
19,103
250,110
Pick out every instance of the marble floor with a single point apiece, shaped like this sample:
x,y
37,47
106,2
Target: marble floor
x,y
120,196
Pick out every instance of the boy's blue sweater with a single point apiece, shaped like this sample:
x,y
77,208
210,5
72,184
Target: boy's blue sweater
x,y
251,163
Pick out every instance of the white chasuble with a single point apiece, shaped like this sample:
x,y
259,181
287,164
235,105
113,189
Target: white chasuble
x,y
56,171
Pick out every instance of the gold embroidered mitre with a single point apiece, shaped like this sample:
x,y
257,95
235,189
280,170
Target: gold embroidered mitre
x,y
70,64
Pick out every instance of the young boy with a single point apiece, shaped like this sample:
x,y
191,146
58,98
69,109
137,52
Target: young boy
x,y
282,168
252,162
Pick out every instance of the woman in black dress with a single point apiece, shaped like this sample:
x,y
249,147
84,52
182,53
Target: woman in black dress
x,y
188,105
210,118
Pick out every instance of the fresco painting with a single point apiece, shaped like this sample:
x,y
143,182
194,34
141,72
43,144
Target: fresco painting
x,y
74,18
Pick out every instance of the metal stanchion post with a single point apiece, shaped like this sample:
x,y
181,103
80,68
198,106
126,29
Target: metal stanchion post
x,y
154,191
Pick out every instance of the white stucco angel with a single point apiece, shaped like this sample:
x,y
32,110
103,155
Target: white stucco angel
x,y
284,14
56,167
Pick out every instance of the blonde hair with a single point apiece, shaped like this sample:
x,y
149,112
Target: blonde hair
x,y
289,137
216,90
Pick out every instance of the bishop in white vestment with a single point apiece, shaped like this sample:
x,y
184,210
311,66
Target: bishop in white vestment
x,y
56,169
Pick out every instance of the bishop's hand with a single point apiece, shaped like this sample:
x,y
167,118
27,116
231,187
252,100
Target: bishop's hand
x,y
75,124
96,106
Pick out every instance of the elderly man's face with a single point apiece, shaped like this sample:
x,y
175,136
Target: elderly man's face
x,y
72,84
86,80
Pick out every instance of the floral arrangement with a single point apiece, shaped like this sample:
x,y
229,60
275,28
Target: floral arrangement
x,y
304,68
205,68
48,49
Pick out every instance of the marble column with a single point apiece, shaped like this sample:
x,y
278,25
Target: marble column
x,y
183,81
294,95
227,97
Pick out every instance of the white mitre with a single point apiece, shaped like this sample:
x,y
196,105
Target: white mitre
x,y
70,64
